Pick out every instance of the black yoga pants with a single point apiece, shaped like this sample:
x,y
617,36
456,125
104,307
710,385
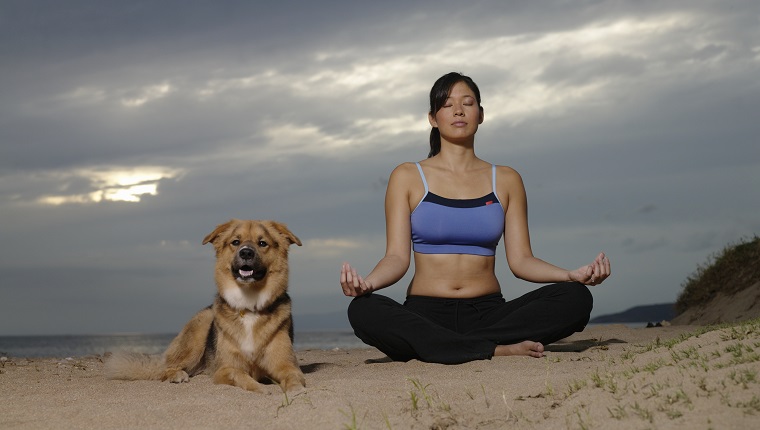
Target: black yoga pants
x,y
451,331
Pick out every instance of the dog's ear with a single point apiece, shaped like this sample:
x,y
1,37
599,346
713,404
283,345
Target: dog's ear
x,y
283,230
217,231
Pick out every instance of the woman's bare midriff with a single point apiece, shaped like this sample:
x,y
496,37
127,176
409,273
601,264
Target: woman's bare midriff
x,y
453,276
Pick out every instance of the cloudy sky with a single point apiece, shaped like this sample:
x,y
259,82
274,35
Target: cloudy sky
x,y
129,130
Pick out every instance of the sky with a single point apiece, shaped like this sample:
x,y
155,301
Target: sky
x,y
129,130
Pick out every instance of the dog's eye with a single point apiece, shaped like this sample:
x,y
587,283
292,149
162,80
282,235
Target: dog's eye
x,y
235,242
263,244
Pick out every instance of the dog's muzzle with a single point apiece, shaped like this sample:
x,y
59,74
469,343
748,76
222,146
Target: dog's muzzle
x,y
247,266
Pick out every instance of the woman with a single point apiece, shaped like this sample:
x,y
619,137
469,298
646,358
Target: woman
x,y
454,311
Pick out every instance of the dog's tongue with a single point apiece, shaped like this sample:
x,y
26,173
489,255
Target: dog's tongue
x,y
245,273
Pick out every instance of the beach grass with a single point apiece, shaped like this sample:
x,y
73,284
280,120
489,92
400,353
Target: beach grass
x,y
657,384
661,382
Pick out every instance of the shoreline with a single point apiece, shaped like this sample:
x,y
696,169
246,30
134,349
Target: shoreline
x,y
78,345
606,376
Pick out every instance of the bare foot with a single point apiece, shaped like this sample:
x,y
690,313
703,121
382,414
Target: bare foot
x,y
527,348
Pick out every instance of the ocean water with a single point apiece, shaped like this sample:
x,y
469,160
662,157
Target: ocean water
x,y
82,345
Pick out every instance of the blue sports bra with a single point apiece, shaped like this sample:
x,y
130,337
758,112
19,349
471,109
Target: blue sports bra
x,y
453,226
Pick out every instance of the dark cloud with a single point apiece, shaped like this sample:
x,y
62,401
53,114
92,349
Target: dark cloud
x,y
638,246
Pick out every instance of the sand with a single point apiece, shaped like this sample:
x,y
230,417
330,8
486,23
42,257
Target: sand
x,y
609,376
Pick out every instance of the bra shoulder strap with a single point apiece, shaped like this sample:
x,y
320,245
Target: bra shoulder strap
x,y
422,175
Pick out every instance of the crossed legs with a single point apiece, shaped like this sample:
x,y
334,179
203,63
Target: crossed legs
x,y
454,331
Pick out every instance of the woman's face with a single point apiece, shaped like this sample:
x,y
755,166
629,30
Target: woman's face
x,y
460,115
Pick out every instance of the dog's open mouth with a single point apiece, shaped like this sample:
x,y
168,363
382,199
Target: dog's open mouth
x,y
248,273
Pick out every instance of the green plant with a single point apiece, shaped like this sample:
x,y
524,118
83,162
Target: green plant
x,y
422,389
353,424
618,412
420,392
642,412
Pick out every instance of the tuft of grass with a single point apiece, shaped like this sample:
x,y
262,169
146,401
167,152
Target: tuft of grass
x,y
751,407
653,366
575,386
584,422
353,424
618,412
488,404
387,421
420,392
352,416
642,412
743,377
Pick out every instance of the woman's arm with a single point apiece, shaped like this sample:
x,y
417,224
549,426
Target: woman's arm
x,y
398,232
520,256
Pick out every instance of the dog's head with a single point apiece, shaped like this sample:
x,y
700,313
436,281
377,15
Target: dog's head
x,y
250,250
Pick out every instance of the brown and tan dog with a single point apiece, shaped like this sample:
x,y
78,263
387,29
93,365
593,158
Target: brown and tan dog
x,y
246,336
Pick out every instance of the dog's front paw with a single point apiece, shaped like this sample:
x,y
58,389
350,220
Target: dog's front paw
x,y
251,385
236,377
176,376
294,383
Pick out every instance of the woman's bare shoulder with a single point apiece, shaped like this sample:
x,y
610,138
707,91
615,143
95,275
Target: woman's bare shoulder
x,y
507,173
405,181
405,170
509,182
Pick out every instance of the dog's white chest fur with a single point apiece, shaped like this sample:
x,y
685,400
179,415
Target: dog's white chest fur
x,y
248,344
238,300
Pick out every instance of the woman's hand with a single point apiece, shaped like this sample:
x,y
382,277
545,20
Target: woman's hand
x,y
352,284
594,273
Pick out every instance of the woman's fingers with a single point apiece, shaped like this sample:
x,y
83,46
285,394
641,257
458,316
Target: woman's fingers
x,y
352,283
347,279
601,269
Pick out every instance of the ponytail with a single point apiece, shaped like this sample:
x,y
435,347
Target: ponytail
x,y
435,142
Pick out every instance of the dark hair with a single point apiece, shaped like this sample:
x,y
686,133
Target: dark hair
x,y
438,95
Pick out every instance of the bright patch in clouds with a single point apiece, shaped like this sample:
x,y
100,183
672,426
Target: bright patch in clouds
x,y
330,243
129,98
305,139
393,126
84,95
220,86
147,94
330,248
109,184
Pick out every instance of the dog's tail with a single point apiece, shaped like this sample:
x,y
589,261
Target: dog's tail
x,y
130,366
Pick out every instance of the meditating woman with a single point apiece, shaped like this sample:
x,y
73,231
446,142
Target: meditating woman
x,y
451,209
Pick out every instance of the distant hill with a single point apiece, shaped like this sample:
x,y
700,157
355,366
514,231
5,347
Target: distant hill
x,y
645,313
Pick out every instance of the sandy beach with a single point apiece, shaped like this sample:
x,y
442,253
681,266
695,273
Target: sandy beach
x,y
609,376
